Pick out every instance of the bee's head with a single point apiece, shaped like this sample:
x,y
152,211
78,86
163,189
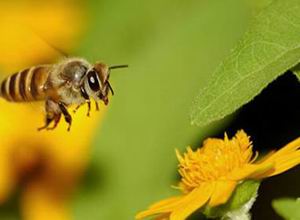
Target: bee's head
x,y
98,81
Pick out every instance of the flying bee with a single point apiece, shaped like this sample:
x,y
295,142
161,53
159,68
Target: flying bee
x,y
72,81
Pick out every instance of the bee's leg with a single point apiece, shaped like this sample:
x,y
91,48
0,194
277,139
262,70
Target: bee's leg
x,y
52,112
49,119
97,105
68,117
77,107
87,99
89,107
56,121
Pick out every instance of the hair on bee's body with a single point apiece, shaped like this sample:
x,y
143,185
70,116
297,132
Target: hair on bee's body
x,y
65,80
71,81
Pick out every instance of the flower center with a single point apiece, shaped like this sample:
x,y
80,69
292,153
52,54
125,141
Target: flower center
x,y
214,161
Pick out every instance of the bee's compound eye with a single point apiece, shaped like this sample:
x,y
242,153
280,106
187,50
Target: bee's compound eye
x,y
93,81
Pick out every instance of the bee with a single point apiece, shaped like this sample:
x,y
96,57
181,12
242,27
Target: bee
x,y
71,81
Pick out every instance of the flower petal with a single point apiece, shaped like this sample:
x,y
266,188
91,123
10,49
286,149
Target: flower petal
x,y
290,147
287,149
250,170
284,159
164,216
290,162
281,165
193,201
163,206
222,192
265,157
166,202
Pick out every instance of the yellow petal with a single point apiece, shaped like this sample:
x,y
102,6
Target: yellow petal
x,y
243,139
290,162
281,165
222,192
192,201
265,157
249,170
38,202
178,155
164,216
163,206
287,149
166,202
290,147
284,159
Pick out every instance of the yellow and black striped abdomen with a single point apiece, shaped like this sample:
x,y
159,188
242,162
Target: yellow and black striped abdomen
x,y
26,85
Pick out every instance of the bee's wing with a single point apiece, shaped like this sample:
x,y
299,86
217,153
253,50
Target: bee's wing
x,y
60,51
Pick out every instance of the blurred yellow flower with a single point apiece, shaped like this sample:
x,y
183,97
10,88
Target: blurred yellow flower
x,y
44,166
210,174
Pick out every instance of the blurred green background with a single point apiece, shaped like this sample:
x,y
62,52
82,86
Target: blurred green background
x,y
172,47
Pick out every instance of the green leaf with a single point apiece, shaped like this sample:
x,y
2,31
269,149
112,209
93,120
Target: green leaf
x,y
296,71
241,196
269,48
287,208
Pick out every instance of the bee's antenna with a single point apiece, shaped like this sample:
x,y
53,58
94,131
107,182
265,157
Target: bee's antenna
x,y
114,67
111,89
117,66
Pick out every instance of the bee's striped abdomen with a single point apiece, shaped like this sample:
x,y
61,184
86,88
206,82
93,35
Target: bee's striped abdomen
x,y
26,85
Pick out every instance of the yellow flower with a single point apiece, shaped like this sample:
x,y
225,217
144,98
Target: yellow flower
x,y
210,174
